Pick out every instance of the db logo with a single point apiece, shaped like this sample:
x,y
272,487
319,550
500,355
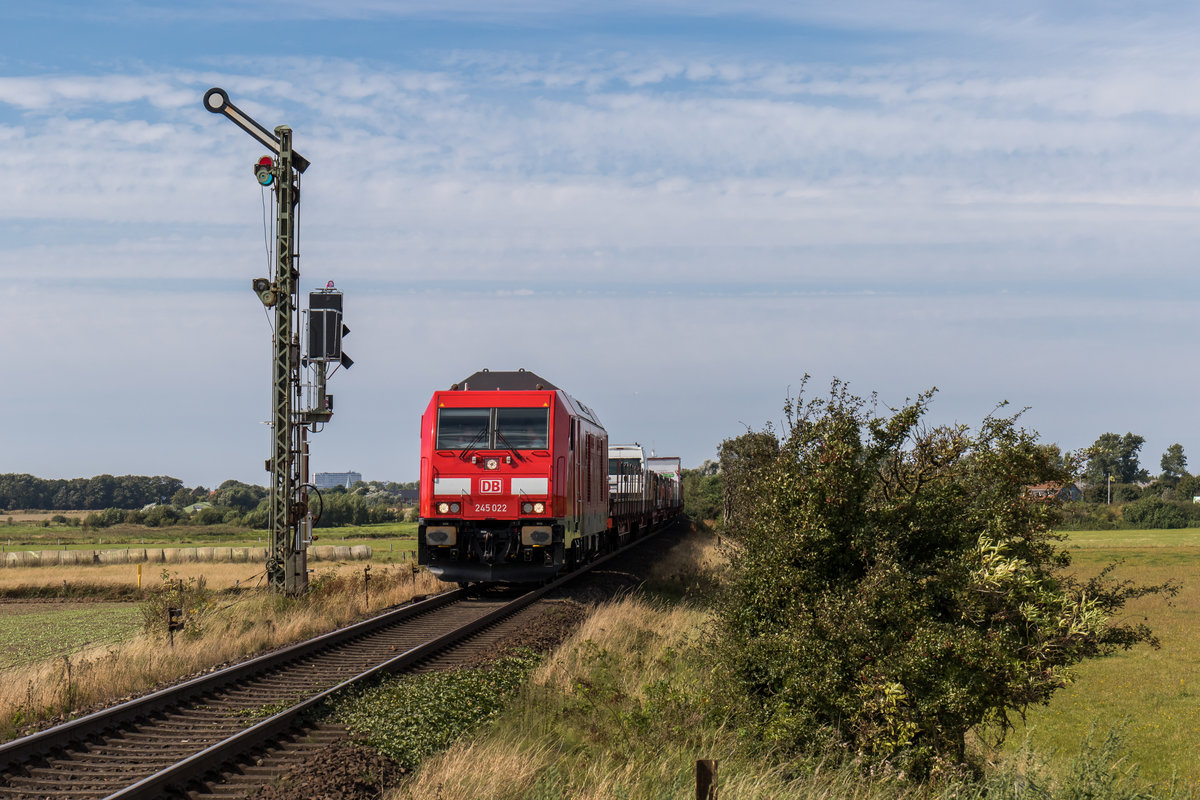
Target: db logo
x,y
490,486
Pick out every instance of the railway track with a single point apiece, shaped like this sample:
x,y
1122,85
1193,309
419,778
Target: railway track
x,y
177,741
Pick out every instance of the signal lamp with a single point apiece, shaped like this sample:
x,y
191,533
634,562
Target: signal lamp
x,y
527,508
455,508
264,171
267,292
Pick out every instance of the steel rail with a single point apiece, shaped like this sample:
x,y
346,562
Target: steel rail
x,y
60,736
194,767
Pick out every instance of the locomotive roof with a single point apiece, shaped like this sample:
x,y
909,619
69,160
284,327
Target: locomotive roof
x,y
521,380
485,380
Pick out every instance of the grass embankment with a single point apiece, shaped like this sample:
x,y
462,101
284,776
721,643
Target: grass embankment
x,y
626,706
222,627
68,537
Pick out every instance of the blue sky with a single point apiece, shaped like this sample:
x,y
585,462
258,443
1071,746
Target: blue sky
x,y
674,210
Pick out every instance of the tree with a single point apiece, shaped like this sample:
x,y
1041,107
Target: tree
x,y
741,461
238,495
893,586
1116,456
1173,463
702,493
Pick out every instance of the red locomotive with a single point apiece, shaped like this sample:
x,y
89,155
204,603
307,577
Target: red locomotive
x,y
514,482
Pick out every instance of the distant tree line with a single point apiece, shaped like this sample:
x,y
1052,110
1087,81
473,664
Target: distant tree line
x,y
1133,498
1118,492
161,501
103,491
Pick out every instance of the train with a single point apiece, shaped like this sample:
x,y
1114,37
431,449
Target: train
x,y
518,483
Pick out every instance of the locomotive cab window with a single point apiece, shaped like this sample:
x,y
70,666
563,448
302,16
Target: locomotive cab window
x,y
522,428
493,429
460,428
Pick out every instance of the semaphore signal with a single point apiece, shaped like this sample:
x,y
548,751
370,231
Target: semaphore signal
x,y
295,411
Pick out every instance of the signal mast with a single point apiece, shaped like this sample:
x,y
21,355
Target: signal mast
x,y
297,405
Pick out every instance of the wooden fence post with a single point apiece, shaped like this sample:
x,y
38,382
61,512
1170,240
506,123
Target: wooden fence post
x,y
706,779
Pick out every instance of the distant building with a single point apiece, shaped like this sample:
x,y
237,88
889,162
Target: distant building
x,y
328,480
1068,493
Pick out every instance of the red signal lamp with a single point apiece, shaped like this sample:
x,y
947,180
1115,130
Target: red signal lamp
x,y
264,171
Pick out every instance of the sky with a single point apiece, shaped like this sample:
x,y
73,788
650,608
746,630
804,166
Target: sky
x,y
674,211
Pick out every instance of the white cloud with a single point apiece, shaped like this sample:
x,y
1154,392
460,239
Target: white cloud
x,y
891,205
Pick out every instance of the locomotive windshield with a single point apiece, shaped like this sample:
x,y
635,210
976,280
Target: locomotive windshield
x,y
459,428
493,428
522,428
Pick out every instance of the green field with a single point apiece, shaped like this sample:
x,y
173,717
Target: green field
x,y
33,631
400,535
1154,694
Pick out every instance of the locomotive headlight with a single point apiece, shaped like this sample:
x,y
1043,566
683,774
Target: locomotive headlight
x,y
538,508
443,508
491,463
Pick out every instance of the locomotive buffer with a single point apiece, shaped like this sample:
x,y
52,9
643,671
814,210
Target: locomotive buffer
x,y
298,406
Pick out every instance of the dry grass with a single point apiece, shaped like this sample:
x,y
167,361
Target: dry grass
x,y
493,769
217,575
530,754
620,628
36,516
533,760
228,629
697,558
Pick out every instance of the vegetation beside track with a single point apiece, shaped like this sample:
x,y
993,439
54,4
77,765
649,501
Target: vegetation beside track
x,y
220,627
628,704
410,717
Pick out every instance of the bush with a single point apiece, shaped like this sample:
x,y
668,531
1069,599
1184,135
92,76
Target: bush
x,y
159,516
106,518
702,494
893,587
1089,517
190,596
1154,512
210,516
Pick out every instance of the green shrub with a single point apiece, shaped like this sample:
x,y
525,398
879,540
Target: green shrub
x,y
1154,512
893,587
191,596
